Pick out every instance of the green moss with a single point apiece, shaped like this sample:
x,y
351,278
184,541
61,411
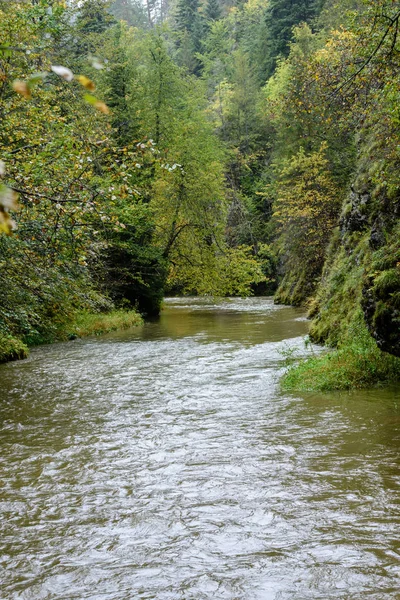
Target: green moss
x,y
12,349
356,364
387,281
337,301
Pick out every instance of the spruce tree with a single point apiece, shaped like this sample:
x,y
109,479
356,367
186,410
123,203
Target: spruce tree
x,y
213,10
117,81
281,17
192,29
131,11
187,11
198,31
94,16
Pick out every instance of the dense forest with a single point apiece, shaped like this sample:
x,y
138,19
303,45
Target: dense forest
x,y
216,147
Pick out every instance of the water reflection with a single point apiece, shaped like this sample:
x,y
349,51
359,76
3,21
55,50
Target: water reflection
x,y
164,463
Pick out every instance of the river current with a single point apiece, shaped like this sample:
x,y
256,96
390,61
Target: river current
x,y
164,463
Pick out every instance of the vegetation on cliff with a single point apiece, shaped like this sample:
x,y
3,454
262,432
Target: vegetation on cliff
x,y
355,302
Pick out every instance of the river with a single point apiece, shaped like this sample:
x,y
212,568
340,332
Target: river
x,y
164,463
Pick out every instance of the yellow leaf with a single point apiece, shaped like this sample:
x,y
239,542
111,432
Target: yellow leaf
x,y
7,225
8,199
102,107
86,82
21,87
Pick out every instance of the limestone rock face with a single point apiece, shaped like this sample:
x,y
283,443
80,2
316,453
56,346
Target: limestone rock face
x,y
362,272
355,213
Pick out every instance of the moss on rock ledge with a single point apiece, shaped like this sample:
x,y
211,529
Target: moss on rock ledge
x,y
295,289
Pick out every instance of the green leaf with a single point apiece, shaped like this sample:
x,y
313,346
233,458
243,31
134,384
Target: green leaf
x,y
36,78
90,99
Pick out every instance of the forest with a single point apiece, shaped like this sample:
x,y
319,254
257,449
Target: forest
x,y
194,147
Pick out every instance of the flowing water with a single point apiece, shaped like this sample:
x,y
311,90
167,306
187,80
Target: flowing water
x,y
163,463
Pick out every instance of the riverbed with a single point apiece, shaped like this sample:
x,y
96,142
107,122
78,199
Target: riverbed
x,y
164,463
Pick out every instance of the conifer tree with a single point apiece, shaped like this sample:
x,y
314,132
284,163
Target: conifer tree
x,y
187,11
281,17
192,27
117,80
198,31
94,16
213,10
131,11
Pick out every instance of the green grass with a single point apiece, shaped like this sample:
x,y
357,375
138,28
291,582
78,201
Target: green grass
x,y
87,323
359,364
12,349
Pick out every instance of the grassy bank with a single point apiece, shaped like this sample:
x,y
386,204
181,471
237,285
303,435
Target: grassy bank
x,y
87,323
356,364
83,324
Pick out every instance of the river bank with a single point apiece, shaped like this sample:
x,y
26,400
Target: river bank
x,y
84,324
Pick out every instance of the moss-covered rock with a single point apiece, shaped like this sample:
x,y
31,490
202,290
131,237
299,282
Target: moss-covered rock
x,y
337,301
355,211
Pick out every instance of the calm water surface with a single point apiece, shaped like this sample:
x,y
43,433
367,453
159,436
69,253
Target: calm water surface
x,y
163,463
